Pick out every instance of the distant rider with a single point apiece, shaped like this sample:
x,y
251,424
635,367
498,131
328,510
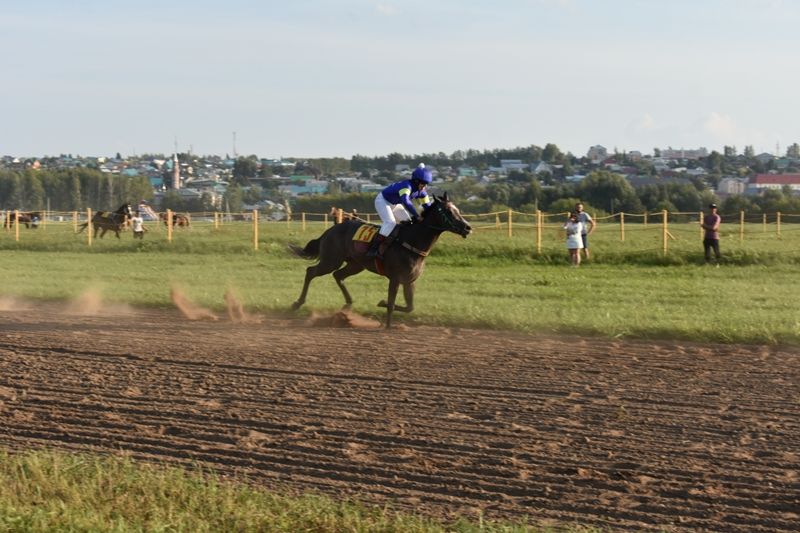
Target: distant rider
x,y
393,205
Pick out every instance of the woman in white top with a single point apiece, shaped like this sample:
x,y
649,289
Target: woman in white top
x,y
574,228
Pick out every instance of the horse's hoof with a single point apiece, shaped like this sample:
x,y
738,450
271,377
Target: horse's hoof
x,y
347,307
382,303
296,306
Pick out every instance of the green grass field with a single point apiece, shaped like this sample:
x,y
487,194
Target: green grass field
x,y
629,289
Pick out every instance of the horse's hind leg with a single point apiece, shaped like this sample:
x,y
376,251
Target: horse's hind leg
x,y
350,269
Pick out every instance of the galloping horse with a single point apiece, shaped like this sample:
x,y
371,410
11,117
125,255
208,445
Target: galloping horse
x,y
402,263
29,218
182,221
110,220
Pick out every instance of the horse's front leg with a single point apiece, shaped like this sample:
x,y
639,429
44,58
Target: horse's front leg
x,y
389,302
408,294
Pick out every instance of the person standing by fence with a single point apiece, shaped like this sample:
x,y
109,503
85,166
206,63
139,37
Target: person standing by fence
x,y
574,229
711,224
137,221
586,220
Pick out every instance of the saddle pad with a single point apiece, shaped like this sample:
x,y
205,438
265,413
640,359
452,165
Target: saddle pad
x,y
365,233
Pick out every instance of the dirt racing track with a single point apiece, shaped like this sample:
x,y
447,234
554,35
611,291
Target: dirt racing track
x,y
633,435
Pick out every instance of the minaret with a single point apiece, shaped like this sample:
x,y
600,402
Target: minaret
x,y
176,172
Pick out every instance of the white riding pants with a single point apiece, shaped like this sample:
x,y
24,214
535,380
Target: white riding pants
x,y
390,214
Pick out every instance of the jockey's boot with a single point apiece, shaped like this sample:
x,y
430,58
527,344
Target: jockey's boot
x,y
377,247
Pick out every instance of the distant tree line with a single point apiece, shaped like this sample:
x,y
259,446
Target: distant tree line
x,y
70,189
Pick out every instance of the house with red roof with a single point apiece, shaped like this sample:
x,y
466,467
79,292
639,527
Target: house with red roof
x,y
762,182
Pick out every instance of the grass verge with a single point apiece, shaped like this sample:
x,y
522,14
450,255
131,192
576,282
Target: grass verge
x,y
53,492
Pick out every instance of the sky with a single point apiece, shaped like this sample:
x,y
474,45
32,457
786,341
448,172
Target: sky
x,y
313,78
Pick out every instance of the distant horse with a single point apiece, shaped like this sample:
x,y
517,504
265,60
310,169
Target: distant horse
x,y
179,220
403,261
29,218
110,220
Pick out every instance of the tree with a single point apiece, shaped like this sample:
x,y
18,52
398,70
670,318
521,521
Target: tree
x,y
551,153
75,201
605,188
793,151
749,151
244,168
234,199
729,151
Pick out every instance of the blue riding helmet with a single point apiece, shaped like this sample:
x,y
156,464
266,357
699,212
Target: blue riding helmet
x,y
422,174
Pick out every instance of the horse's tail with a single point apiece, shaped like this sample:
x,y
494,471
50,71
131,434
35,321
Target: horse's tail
x,y
83,226
311,250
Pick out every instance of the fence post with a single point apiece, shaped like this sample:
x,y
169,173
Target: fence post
x,y
255,229
497,220
741,225
74,222
645,219
89,225
16,225
509,223
339,215
169,225
622,226
764,222
665,230
369,218
303,221
538,232
778,222
325,219
216,220
702,229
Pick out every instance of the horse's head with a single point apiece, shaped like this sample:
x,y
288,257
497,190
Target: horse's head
x,y
125,209
443,215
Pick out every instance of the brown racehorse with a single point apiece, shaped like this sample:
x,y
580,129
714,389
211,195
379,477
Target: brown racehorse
x,y
109,220
29,218
179,220
402,262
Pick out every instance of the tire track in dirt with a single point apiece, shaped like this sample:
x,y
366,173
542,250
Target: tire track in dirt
x,y
635,435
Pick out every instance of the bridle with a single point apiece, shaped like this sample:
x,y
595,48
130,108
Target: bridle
x,y
445,218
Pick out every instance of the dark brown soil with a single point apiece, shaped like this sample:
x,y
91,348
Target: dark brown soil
x,y
634,435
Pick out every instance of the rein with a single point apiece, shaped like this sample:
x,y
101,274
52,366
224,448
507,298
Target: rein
x,y
417,251
450,226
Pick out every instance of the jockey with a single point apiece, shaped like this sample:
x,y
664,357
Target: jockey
x,y
393,205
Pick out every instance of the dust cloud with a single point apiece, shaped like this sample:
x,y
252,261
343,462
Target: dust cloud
x,y
10,303
189,309
236,312
90,303
344,318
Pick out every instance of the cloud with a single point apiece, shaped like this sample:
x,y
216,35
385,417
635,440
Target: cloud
x,y
721,127
385,9
645,123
